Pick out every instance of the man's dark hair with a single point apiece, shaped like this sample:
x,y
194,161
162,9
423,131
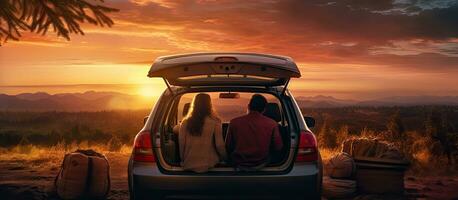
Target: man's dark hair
x,y
257,103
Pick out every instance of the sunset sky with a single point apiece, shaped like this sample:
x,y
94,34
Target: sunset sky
x,y
359,49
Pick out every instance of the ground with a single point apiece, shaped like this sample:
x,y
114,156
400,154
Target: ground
x,y
33,179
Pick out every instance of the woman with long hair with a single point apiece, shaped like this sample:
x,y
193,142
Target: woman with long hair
x,y
200,136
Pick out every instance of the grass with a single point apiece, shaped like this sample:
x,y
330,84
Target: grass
x,y
327,153
39,156
422,162
50,135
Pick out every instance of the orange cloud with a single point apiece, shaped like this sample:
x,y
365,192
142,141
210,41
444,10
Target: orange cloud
x,y
359,46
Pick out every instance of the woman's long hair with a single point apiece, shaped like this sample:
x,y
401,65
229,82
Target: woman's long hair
x,y
201,107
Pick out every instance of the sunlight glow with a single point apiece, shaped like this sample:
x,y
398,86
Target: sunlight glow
x,y
148,91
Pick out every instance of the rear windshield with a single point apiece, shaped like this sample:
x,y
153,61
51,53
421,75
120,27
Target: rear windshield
x,y
225,108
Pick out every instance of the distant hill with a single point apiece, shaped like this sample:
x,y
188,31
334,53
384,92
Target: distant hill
x,y
97,101
321,101
331,102
87,101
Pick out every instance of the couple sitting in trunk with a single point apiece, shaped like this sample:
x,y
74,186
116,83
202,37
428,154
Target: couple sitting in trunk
x,y
249,141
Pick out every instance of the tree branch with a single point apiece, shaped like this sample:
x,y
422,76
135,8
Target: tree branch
x,y
64,16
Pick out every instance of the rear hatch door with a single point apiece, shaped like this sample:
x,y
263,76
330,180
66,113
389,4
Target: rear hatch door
x,y
225,69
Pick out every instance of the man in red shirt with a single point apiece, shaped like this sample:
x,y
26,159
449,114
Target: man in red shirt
x,y
251,137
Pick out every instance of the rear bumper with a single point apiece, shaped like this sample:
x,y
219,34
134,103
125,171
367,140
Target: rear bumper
x,y
302,180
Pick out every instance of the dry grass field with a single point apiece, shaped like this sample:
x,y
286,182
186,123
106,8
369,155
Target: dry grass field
x,y
28,172
33,144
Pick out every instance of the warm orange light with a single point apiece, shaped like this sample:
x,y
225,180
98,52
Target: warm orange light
x,y
147,91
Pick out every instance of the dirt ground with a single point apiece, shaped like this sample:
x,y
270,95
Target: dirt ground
x,y
32,179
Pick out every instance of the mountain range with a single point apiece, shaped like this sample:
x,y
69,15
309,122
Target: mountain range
x,y
96,101
87,101
321,101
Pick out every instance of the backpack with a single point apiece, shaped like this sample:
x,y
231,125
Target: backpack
x,y
84,174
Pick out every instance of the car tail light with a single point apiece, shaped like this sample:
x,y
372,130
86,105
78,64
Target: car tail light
x,y
143,150
307,150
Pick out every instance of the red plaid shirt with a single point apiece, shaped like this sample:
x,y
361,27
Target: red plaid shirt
x,y
250,138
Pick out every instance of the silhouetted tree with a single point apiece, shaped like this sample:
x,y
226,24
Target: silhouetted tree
x,y
24,141
396,130
327,136
441,130
54,137
64,16
74,135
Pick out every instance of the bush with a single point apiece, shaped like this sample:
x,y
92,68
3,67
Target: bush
x,y
114,144
368,133
24,146
342,135
395,129
327,137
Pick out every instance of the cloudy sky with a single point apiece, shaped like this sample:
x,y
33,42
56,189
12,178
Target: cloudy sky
x,y
358,49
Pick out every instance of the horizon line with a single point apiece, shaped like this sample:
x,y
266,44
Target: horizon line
x,y
83,84
299,96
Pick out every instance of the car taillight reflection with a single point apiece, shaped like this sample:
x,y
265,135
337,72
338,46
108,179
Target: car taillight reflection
x,y
307,151
143,150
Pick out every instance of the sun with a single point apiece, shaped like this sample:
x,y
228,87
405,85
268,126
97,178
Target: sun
x,y
147,91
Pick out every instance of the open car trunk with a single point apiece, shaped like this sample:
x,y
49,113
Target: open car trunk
x,y
168,151
221,71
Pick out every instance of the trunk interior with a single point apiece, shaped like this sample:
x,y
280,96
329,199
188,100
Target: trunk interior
x,y
227,109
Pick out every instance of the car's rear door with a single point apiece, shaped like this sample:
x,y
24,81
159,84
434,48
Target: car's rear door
x,y
225,69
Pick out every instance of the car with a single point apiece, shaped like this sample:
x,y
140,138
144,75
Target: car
x,y
154,170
